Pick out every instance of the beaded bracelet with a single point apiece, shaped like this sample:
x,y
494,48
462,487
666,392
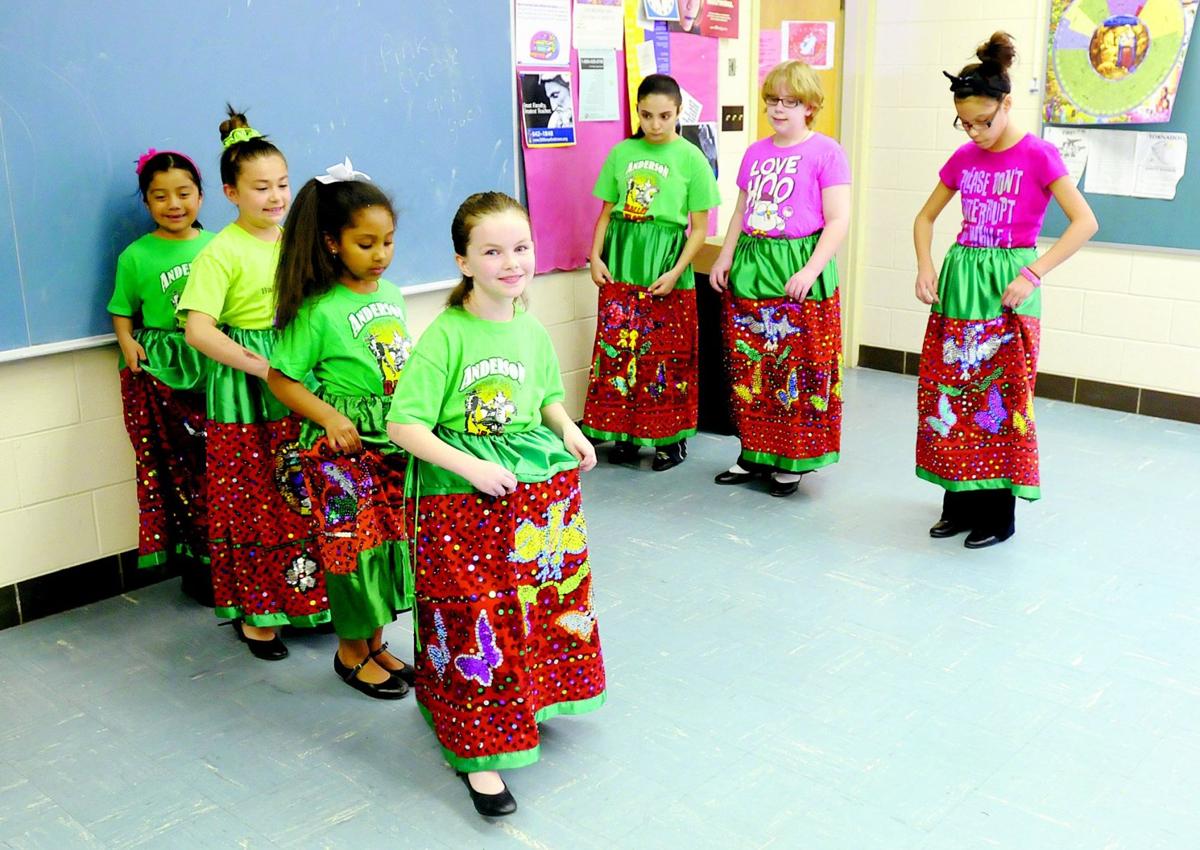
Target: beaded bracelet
x,y
1031,276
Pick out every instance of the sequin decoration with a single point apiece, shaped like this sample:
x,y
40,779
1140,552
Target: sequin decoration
x,y
255,536
358,502
289,478
975,402
644,362
785,367
166,430
480,603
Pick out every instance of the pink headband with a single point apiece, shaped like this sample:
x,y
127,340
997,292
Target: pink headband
x,y
150,154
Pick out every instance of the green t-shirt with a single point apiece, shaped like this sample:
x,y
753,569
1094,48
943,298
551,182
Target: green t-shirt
x,y
233,280
478,377
151,274
661,182
354,344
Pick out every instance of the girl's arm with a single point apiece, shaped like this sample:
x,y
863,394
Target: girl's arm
x,y
556,419
340,431
1081,227
698,221
130,347
923,241
203,335
718,275
600,273
835,207
485,476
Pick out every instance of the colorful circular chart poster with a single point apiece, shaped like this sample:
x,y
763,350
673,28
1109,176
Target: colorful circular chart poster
x,y
1115,61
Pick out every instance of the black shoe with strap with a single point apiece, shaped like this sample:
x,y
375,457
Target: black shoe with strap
x,y
669,456
389,688
623,453
490,805
266,650
406,674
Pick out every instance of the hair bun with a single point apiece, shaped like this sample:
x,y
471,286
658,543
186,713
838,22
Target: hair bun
x,y
234,121
998,50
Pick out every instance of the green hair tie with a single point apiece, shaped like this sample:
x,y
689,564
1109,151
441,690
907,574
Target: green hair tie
x,y
241,134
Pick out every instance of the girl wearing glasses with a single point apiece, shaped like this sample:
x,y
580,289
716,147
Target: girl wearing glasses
x,y
976,436
783,326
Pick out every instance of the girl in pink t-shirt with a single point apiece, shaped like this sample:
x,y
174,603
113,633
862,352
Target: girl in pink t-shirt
x,y
783,329
975,433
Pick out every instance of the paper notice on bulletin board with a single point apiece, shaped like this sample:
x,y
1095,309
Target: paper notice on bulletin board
x,y
598,25
809,41
1136,164
599,98
769,51
543,32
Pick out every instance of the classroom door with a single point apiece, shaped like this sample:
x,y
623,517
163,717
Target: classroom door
x,y
771,14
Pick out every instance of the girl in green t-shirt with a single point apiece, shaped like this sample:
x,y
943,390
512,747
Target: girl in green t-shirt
x,y
642,390
162,377
342,323
264,566
503,582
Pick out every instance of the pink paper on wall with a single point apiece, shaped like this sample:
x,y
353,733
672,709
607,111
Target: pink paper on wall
x,y
558,186
558,181
770,51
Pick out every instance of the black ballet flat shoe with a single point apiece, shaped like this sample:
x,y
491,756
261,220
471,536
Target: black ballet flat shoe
x,y
266,650
490,805
406,674
731,477
669,456
389,688
623,454
945,528
782,488
984,539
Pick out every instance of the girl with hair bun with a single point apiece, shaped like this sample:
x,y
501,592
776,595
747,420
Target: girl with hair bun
x,y
976,436
265,572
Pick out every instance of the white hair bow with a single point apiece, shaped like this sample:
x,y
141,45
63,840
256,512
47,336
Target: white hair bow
x,y
341,173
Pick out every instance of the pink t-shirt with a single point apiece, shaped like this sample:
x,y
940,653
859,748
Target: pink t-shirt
x,y
1005,194
783,185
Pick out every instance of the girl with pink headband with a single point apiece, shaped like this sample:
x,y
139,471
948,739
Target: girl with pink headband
x,y
162,377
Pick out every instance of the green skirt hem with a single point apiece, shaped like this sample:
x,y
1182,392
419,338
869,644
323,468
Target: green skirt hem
x,y
366,600
788,464
154,559
523,758
1023,491
597,434
268,621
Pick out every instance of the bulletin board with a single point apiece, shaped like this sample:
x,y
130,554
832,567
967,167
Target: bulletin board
x,y
1145,221
559,180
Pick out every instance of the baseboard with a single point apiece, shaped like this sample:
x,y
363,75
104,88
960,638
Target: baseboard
x,y
72,587
1180,408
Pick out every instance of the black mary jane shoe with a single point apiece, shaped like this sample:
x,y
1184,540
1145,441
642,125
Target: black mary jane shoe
x,y
266,650
783,488
669,456
406,674
944,528
490,805
389,688
623,454
984,539
730,477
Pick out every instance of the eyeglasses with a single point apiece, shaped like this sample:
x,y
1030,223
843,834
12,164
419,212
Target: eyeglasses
x,y
786,102
978,126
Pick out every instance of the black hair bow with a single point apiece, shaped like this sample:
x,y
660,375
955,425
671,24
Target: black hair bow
x,y
975,83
